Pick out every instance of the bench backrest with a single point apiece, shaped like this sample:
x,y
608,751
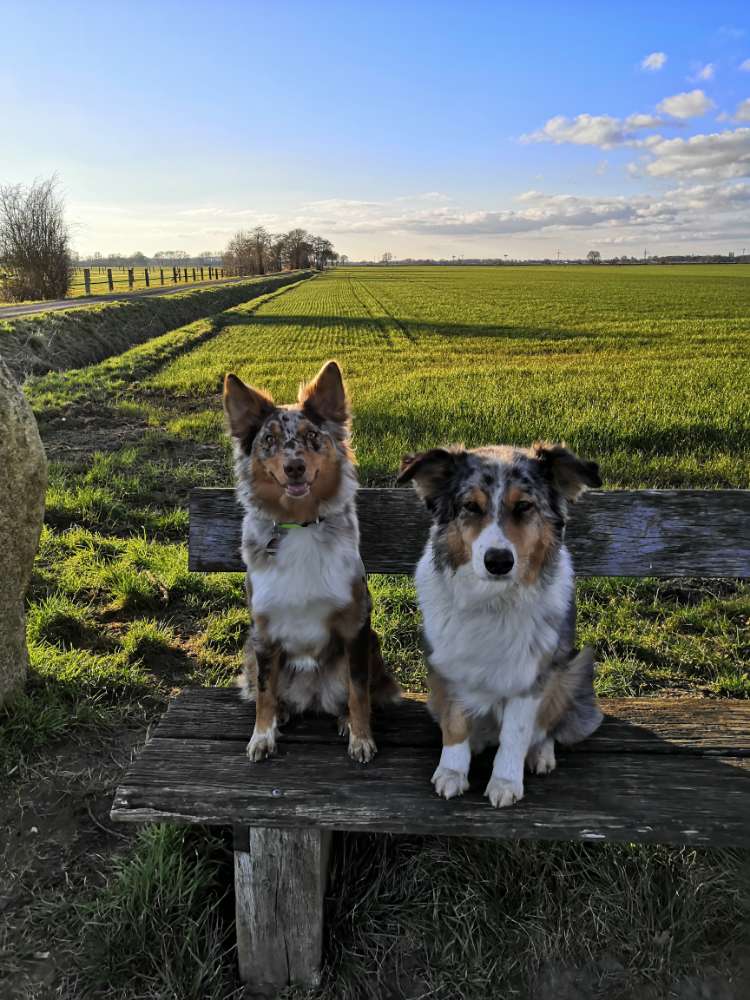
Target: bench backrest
x,y
698,533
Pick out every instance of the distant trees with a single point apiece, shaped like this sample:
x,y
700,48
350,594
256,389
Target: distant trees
x,y
258,251
386,258
594,257
34,242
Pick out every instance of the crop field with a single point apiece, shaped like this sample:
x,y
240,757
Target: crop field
x,y
643,369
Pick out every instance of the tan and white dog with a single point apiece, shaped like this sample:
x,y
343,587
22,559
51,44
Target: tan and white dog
x,y
311,645
497,594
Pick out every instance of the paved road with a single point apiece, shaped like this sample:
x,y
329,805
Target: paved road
x,y
7,312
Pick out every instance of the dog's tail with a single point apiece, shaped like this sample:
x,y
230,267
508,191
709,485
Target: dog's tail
x,y
581,715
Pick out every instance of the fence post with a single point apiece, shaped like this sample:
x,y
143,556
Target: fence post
x,y
193,274
201,274
87,280
161,275
146,276
110,280
210,273
185,270
131,278
174,275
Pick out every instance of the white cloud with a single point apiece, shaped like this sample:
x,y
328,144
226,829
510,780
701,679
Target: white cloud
x,y
654,61
690,211
691,104
684,209
716,155
706,72
742,114
643,121
745,66
604,131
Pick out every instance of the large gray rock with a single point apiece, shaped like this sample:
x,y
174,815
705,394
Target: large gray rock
x,y
23,480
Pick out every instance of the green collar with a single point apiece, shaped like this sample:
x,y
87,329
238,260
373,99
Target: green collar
x,y
292,525
280,528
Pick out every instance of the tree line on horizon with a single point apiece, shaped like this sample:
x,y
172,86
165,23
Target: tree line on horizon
x,y
260,252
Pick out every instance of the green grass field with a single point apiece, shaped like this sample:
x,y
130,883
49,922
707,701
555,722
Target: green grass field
x,y
100,285
643,369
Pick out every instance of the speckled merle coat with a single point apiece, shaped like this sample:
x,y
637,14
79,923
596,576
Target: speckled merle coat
x,y
311,646
497,594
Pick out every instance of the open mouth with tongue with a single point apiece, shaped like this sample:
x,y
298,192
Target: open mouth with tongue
x,y
297,489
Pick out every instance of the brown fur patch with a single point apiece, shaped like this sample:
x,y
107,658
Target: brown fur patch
x,y
453,723
532,536
346,622
359,710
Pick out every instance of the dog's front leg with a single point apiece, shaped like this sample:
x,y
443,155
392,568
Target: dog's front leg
x,y
361,744
267,665
451,777
517,732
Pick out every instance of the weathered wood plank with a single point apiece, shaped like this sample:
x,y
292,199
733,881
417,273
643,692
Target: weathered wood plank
x,y
674,533
633,725
279,884
668,798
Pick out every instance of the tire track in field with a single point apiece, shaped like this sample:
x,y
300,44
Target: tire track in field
x,y
380,315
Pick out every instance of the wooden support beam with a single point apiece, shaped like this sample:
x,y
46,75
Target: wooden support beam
x,y
279,884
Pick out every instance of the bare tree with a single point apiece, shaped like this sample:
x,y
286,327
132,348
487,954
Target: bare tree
x,y
594,257
261,242
34,242
386,258
297,249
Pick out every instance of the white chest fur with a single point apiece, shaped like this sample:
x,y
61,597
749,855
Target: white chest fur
x,y
487,639
307,580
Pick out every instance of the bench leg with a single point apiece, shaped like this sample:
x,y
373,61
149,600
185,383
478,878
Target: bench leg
x,y
279,883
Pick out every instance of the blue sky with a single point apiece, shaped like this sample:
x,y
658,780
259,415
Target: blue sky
x,y
425,129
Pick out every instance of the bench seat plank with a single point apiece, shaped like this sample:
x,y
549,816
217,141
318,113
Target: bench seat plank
x,y
681,797
635,725
671,533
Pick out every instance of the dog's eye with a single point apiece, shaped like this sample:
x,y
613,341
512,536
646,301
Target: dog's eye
x,y
523,507
313,437
268,440
472,508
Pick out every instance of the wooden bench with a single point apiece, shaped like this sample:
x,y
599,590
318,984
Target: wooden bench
x,y
664,771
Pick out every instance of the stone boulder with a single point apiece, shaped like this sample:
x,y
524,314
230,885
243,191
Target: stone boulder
x,y
23,480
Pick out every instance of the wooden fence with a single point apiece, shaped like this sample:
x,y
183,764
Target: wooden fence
x,y
103,280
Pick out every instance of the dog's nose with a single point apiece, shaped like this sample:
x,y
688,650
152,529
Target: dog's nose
x,y
498,561
294,469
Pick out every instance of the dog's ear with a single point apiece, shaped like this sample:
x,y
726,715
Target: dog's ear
x,y
431,471
569,474
246,409
325,397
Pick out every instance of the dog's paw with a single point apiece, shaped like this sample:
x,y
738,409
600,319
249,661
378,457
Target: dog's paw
x,y
503,792
449,783
541,758
261,745
362,748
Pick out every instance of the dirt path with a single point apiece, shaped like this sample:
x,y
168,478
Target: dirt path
x,y
9,312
